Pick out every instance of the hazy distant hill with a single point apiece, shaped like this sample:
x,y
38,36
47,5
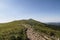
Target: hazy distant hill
x,y
54,23
20,30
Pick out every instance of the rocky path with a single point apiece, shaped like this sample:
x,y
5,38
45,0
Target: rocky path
x,y
33,35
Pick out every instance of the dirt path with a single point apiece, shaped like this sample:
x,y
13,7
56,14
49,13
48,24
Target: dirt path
x,y
32,35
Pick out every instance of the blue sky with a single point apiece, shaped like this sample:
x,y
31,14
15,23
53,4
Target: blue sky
x,y
41,10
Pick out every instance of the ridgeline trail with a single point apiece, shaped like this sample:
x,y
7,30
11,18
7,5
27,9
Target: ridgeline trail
x,y
33,35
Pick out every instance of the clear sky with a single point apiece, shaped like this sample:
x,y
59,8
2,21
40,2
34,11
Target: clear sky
x,y
41,10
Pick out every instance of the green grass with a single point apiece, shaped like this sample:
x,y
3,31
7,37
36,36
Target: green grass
x,y
16,31
12,31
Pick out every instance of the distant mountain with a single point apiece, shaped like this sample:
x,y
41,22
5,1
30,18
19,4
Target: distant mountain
x,y
28,30
55,23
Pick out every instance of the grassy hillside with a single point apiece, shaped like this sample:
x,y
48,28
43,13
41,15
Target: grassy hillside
x,y
16,31
12,31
